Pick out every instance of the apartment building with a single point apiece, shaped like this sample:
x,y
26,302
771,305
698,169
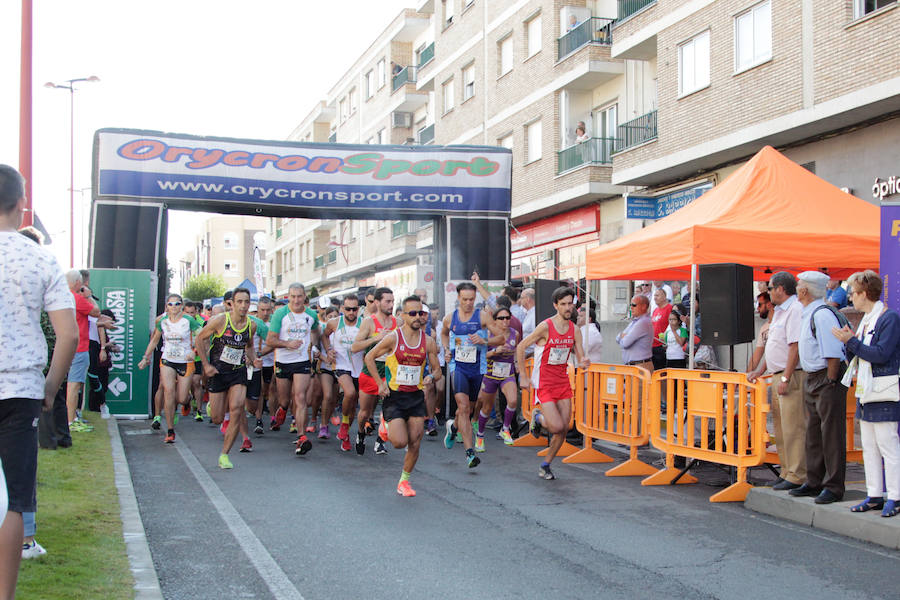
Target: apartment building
x,y
618,112
225,246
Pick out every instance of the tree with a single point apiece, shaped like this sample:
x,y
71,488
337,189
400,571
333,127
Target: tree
x,y
204,286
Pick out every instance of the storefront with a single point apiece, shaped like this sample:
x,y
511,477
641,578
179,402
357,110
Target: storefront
x,y
555,247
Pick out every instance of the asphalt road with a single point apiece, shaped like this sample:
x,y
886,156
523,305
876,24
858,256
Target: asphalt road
x,y
330,525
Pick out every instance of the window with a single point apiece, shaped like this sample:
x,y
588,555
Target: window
x,y
308,250
382,73
863,7
753,36
370,84
533,35
506,141
468,76
448,12
506,54
342,108
351,100
693,64
230,241
532,141
447,96
380,136
231,267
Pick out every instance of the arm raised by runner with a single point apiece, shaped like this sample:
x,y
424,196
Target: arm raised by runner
x,y
201,342
431,349
385,345
363,342
540,334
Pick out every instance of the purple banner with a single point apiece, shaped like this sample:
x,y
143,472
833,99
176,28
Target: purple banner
x,y
890,254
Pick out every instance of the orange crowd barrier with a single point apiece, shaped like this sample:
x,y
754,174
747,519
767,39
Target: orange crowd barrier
x,y
610,405
714,416
527,404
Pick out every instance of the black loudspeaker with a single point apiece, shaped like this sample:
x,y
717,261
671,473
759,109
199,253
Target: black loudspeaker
x,y
726,304
481,245
543,298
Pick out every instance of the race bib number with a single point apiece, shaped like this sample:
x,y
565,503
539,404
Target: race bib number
x,y
558,356
176,352
232,356
465,353
501,370
408,374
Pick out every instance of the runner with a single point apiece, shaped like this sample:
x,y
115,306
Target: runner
x,y
323,403
337,340
177,364
553,340
430,388
264,312
404,401
372,331
191,309
255,374
229,337
464,337
500,375
292,332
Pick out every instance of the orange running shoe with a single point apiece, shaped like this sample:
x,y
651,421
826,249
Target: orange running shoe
x,y
185,410
405,490
344,432
335,420
170,438
383,430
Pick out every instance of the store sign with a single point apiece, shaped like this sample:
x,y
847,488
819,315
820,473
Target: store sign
x,y
890,254
657,207
886,188
558,227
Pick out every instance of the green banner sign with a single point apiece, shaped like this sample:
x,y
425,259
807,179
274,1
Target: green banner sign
x,y
130,295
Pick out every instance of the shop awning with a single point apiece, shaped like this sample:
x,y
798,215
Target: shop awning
x,y
771,214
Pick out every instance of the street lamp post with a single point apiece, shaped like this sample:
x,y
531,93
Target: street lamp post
x,y
69,84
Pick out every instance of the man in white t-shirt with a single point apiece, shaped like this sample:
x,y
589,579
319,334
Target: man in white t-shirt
x,y
31,279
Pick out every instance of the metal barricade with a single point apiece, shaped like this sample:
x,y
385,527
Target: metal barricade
x,y
610,405
713,416
527,404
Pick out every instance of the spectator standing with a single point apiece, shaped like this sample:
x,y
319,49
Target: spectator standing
x,y
32,280
780,359
660,320
527,302
674,338
676,293
764,308
636,341
875,352
591,338
821,356
84,308
517,310
662,285
835,295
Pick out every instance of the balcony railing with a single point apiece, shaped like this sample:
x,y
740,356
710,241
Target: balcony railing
x,y
399,228
426,136
595,151
594,30
427,55
278,233
636,131
629,7
319,261
403,76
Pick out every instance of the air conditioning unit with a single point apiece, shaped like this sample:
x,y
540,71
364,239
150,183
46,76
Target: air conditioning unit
x,y
401,119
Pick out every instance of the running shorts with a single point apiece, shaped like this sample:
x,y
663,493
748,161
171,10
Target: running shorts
x,y
181,369
267,373
288,370
466,383
368,384
489,385
254,386
223,381
403,405
552,394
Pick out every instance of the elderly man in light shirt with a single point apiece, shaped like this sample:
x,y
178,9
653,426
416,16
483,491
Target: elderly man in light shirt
x,y
780,360
637,338
825,397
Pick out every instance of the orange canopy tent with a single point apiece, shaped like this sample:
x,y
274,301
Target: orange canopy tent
x,y
771,214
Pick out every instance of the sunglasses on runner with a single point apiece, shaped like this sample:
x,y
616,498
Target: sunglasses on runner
x,y
417,313
351,308
633,304
173,304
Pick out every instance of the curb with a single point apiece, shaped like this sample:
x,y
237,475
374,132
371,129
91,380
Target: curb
x,y
836,518
146,581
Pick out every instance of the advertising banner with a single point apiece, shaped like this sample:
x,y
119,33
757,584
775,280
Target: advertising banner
x,y
657,207
130,295
890,254
354,180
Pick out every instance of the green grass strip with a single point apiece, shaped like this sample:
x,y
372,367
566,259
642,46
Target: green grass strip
x,y
79,523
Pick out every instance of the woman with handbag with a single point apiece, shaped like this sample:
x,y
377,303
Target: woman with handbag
x,y
874,350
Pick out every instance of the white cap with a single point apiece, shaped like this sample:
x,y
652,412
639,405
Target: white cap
x,y
816,278
324,302
253,308
425,308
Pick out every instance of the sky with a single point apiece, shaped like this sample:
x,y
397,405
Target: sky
x,y
224,67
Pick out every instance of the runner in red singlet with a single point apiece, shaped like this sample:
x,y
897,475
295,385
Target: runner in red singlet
x,y
554,340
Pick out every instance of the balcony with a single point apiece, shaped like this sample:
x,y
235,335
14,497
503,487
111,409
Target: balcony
x,y
278,233
426,136
595,151
399,229
595,30
332,256
636,131
426,56
403,76
629,7
319,262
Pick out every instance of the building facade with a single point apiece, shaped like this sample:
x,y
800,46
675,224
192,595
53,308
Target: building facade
x,y
225,246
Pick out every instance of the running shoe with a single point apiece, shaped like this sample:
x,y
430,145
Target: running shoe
x,y
225,462
545,472
344,432
175,420
311,426
170,438
479,444
472,461
293,427
323,432
208,413
185,410
156,423
258,430
405,490
430,428
506,437
450,436
335,420
535,427
360,445
35,550
224,427
346,445
278,419
246,445
198,417
459,437
272,425
383,430
370,427
379,447
79,427
303,446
